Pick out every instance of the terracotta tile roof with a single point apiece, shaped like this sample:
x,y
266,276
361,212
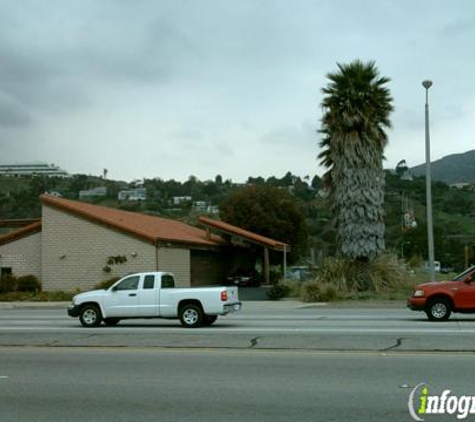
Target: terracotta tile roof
x,y
244,234
20,233
152,229
19,222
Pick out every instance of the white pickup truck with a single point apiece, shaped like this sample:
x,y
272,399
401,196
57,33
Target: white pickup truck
x,y
154,295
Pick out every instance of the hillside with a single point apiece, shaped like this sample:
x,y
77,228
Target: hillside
x,y
455,168
453,210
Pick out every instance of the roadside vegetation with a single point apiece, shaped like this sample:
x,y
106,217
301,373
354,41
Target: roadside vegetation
x,y
28,288
454,211
363,227
335,281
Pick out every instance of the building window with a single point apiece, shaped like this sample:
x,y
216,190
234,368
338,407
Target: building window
x,y
5,272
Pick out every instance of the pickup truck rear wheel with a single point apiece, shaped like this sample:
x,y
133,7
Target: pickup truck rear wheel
x,y
439,309
90,316
210,320
111,322
191,316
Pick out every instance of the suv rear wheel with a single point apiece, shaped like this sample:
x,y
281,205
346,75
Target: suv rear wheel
x,y
439,309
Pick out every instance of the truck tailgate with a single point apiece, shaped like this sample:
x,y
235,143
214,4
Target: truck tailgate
x,y
232,294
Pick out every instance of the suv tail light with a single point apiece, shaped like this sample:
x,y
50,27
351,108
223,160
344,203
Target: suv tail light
x,y
224,296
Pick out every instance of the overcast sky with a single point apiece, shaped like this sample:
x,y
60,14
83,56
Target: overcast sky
x,y
176,88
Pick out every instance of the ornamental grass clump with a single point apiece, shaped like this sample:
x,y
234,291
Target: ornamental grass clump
x,y
382,274
315,291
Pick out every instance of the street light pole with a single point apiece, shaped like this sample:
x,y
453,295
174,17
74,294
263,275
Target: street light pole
x,y
430,228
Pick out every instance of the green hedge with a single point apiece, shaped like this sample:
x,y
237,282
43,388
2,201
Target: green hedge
x,y
25,283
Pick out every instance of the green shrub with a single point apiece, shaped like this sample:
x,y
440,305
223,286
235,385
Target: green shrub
x,y
28,283
314,291
16,296
274,275
104,285
54,296
7,283
293,288
386,273
335,271
381,275
278,291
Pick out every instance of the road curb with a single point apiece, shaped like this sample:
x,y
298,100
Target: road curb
x,y
34,305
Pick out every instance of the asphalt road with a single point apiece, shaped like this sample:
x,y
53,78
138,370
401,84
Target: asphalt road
x,y
115,384
261,325
271,362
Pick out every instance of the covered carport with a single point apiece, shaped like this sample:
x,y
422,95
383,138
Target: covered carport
x,y
244,238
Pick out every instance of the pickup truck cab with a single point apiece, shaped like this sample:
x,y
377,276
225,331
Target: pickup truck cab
x,y
440,298
154,295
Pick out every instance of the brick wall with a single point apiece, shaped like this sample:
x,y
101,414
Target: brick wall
x,y
75,251
176,261
23,256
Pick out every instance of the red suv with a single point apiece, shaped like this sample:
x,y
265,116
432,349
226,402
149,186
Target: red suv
x,y
440,298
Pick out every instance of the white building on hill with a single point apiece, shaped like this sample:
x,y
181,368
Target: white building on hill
x,y
31,169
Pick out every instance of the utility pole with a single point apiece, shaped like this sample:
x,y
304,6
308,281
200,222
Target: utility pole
x,y
430,229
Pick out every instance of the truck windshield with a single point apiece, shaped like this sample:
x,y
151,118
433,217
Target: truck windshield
x,y
461,276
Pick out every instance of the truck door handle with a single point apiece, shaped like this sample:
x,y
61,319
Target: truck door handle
x,y
132,294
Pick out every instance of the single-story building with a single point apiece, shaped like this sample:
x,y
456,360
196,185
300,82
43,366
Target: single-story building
x,y
20,251
76,245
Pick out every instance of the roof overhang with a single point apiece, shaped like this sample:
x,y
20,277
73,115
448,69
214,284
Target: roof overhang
x,y
20,222
241,235
21,233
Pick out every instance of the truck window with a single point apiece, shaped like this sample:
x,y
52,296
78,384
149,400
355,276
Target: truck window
x,y
149,282
167,282
129,283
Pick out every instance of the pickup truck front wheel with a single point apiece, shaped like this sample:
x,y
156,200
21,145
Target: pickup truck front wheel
x,y
438,310
191,316
90,316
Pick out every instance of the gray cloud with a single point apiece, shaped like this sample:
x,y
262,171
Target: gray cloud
x,y
217,83
58,67
12,112
303,136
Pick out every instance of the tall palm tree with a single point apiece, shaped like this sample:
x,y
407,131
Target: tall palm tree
x,y
356,108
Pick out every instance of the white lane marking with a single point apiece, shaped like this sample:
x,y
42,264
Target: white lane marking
x,y
130,329
3,377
